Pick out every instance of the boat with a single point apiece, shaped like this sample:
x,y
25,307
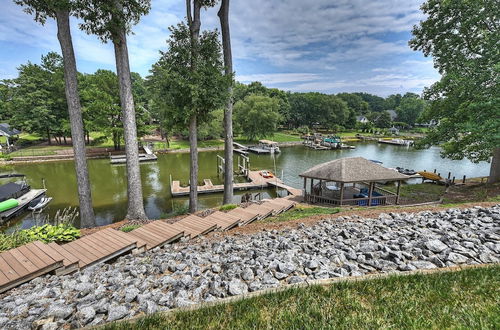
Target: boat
x,y
405,171
15,197
398,142
39,203
430,176
265,147
332,141
266,174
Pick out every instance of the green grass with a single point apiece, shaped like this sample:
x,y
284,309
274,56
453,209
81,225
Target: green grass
x,y
420,193
40,151
299,212
467,299
228,207
129,228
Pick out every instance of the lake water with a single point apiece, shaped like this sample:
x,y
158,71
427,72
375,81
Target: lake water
x,y
109,181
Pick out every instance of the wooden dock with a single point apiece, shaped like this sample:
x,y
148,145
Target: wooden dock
x,y
256,181
35,259
149,156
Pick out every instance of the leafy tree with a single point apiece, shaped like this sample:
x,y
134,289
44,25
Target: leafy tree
x,y
101,103
355,102
183,93
376,103
257,116
393,101
60,11
383,120
111,21
37,101
410,109
463,36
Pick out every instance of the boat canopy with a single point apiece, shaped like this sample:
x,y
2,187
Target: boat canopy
x,y
269,142
13,190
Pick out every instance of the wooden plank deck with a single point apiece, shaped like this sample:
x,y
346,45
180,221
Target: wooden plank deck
x,y
256,181
25,263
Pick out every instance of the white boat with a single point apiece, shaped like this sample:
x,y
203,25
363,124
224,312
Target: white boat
x,y
39,203
269,145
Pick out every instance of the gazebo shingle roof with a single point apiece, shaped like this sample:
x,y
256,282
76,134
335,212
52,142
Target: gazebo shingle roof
x,y
352,169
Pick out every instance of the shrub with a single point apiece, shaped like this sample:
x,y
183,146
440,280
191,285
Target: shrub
x,y
10,241
129,228
228,207
49,233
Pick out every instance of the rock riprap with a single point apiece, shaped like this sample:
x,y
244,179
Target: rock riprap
x,y
208,269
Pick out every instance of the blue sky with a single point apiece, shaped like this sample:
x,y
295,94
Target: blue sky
x,y
321,45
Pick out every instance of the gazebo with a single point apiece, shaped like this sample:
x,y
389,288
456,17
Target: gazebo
x,y
351,181
7,131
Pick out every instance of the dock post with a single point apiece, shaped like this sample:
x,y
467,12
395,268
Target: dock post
x,y
398,192
463,180
434,170
453,181
449,175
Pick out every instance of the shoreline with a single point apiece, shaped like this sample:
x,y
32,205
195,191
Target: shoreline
x,y
56,158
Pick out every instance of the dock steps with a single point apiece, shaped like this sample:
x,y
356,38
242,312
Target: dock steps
x,y
35,259
25,263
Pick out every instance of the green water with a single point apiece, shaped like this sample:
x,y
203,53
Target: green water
x,y
109,181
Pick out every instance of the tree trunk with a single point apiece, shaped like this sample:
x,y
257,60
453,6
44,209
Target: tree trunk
x,y
135,210
194,23
228,113
495,167
48,137
193,171
87,216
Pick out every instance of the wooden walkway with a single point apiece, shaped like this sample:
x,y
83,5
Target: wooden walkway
x,y
35,259
256,181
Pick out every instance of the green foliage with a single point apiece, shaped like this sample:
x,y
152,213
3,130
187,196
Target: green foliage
x,y
178,91
376,103
107,19
410,108
129,228
228,207
46,233
50,233
37,100
300,211
256,116
383,120
462,37
355,103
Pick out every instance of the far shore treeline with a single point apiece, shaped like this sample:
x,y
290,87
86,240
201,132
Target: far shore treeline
x,y
35,102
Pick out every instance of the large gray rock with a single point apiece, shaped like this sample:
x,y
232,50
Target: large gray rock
x,y
86,314
237,287
457,258
59,311
435,245
117,312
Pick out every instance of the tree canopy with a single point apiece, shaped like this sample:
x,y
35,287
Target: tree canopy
x,y
462,36
257,116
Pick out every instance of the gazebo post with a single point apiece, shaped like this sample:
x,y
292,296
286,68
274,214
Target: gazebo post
x,y
341,193
312,189
370,193
305,189
397,192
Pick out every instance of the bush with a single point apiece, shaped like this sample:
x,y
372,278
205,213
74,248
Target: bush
x,y
129,228
46,233
228,207
49,233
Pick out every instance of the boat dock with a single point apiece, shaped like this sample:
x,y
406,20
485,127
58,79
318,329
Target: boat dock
x,y
256,181
23,201
239,148
397,142
149,156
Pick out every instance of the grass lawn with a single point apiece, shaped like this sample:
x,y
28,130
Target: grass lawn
x,y
419,193
300,211
465,299
39,151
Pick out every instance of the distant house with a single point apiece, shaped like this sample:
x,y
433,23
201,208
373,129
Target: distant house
x,y
431,123
393,114
362,119
7,131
